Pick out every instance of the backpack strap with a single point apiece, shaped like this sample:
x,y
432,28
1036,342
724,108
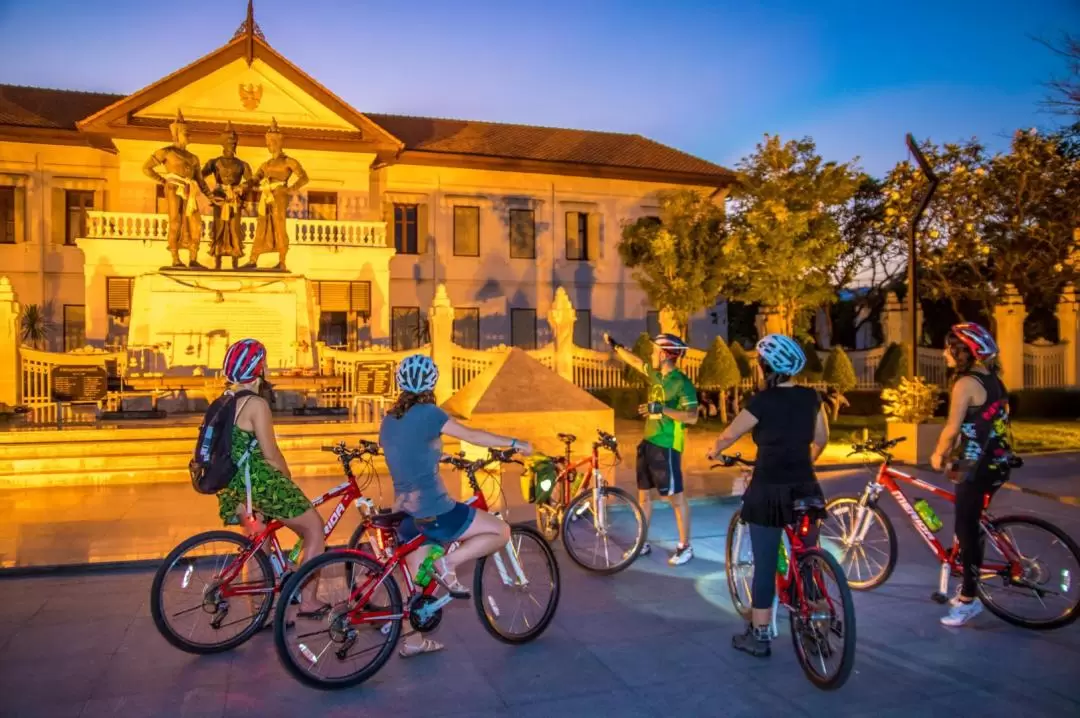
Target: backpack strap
x,y
245,458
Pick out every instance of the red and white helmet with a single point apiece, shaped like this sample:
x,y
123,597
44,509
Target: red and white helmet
x,y
245,360
670,344
979,342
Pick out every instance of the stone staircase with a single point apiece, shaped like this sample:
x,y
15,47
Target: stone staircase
x,y
152,454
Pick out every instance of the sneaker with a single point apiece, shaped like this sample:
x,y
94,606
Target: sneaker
x,y
646,549
682,555
755,641
960,613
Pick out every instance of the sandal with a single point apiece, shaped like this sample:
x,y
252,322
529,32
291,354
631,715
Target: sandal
x,y
448,579
427,646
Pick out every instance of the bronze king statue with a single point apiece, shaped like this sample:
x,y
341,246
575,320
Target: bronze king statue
x,y
182,180
272,181
231,179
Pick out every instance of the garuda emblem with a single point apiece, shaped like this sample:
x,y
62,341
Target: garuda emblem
x,y
250,95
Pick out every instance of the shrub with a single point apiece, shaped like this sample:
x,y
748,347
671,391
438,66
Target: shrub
x,y
643,350
1045,403
839,371
913,401
813,370
742,360
719,372
893,366
624,401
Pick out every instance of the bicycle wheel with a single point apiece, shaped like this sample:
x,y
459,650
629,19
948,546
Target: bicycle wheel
x,y
612,545
823,621
867,562
185,596
344,646
523,575
739,564
1047,572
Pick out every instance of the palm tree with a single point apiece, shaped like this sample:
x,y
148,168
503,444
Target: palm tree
x,y
35,325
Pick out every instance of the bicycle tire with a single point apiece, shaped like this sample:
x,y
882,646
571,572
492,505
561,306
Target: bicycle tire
x,y
847,661
553,602
741,608
157,610
1009,617
280,623
627,559
890,533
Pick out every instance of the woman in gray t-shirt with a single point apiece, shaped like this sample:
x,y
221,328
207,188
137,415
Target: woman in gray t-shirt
x,y
411,438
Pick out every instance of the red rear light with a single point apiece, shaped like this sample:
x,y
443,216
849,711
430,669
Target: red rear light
x,y
804,527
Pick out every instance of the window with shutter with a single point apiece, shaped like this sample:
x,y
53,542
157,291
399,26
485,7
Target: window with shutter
x,y
334,296
76,202
575,239
405,234
467,327
74,327
360,297
652,323
523,328
7,215
322,205
583,328
467,231
522,234
118,296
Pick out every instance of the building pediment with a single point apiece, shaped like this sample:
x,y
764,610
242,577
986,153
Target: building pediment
x,y
248,83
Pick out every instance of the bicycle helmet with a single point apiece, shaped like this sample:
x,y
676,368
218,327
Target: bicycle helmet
x,y
670,344
978,341
417,374
244,361
781,354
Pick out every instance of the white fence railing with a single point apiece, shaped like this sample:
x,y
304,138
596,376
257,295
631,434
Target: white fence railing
x,y
35,377
1044,365
150,227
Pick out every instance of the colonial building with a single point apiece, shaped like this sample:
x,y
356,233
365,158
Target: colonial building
x,y
501,214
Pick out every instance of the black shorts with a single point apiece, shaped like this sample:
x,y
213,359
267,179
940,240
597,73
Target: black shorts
x,y
659,468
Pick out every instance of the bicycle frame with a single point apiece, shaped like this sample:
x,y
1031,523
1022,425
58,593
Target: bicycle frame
x,y
888,478
349,492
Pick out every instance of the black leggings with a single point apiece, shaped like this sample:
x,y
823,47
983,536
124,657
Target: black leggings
x,y
765,543
970,494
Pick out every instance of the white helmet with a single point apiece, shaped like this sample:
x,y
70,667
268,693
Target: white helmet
x,y
417,374
781,354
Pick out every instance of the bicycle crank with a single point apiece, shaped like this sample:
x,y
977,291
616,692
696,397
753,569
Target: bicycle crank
x,y
425,612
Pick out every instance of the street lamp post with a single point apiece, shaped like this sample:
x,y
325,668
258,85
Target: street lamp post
x,y
912,275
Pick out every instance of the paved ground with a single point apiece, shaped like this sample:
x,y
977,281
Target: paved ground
x,y
651,641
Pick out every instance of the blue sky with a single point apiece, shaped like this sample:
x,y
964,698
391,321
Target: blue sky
x,y
706,77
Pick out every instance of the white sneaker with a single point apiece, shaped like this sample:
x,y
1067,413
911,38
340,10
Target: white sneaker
x,y
960,613
646,549
682,555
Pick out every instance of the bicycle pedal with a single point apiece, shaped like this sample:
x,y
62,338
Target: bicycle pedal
x,y
939,597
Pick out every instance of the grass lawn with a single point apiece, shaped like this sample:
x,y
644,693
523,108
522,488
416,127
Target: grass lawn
x,y
1030,434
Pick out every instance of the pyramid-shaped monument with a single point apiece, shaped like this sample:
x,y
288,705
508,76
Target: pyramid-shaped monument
x,y
520,397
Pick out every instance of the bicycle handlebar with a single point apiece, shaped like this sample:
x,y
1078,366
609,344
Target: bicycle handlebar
x,y
609,442
879,445
726,462
458,461
344,452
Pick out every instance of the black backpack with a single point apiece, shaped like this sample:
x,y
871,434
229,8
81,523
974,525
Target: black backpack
x,y
212,467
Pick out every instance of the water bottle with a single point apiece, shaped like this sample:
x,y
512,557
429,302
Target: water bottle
x,y
927,515
427,568
294,554
782,560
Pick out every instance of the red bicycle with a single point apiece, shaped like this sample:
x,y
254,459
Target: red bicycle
x,y
356,635
584,509
863,536
214,572
822,618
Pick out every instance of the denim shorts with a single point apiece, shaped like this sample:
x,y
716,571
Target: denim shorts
x,y
444,528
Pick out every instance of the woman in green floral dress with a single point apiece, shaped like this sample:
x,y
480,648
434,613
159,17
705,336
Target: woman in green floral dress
x,y
273,495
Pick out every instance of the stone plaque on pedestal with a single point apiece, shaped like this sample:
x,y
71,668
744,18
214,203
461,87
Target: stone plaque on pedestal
x,y
190,318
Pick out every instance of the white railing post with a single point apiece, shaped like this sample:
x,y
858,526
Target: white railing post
x,y
1068,316
10,339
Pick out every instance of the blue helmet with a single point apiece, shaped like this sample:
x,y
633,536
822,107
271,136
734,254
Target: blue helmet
x,y
417,374
781,354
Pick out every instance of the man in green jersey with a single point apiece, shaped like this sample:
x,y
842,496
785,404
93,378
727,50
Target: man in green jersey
x,y
672,404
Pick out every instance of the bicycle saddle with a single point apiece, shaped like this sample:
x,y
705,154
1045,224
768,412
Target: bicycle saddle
x,y
388,521
567,438
809,504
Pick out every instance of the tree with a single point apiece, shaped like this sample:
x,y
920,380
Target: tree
x,y
840,375
893,365
1064,97
719,372
642,349
813,370
35,326
784,227
677,261
746,370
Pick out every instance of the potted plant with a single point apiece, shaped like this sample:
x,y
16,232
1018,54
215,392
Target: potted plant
x,y
908,410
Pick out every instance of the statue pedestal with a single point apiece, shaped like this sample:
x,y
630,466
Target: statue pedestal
x,y
189,317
